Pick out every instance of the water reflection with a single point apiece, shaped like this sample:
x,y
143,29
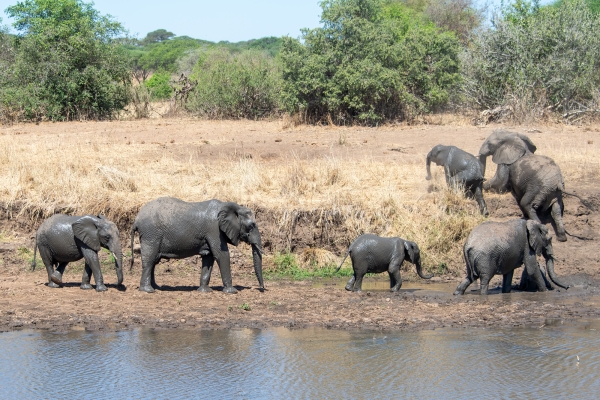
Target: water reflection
x,y
302,363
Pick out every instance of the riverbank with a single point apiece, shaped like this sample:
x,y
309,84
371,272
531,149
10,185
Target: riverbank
x,y
27,303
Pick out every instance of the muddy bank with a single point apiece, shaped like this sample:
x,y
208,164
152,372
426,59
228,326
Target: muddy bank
x,y
27,303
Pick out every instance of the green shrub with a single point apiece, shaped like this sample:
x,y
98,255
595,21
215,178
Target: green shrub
x,y
159,86
242,85
369,63
535,59
66,63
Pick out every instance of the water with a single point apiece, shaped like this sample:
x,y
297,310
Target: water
x,y
303,364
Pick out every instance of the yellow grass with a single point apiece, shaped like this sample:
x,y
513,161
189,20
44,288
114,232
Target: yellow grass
x,y
44,174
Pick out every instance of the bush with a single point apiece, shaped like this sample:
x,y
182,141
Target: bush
x,y
66,64
368,64
534,60
159,86
243,85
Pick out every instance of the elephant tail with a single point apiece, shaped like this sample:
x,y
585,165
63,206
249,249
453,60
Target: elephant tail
x,y
585,203
338,268
470,270
34,254
133,230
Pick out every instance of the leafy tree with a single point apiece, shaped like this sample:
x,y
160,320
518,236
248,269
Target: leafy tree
x,y
157,36
159,85
67,64
368,63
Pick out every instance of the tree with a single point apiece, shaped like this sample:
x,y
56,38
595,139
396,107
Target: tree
x,y
67,64
368,63
157,36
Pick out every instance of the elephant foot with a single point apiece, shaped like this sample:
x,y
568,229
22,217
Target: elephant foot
x,y
458,293
230,290
101,287
348,288
561,237
56,277
85,286
147,289
53,285
205,289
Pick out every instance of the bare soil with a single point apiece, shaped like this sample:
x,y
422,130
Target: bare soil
x,y
26,301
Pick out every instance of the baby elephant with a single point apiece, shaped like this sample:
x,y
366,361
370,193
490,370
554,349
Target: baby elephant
x,y
63,238
371,253
500,247
460,167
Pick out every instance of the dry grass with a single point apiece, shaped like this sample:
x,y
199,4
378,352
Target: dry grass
x,y
41,175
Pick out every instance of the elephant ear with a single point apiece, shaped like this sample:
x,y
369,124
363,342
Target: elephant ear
x,y
412,250
510,151
85,229
537,237
530,146
229,222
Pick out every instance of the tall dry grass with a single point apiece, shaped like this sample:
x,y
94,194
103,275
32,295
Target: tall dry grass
x,y
41,175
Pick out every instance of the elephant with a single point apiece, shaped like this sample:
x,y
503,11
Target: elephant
x,y
460,167
501,247
535,181
173,228
63,239
372,253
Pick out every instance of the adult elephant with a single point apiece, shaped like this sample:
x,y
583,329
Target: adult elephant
x,y
461,168
536,182
63,239
172,228
501,247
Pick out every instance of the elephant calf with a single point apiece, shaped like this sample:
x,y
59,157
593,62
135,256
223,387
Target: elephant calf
x,y
460,167
501,247
371,253
63,239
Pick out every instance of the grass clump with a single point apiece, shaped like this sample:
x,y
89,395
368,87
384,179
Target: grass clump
x,y
286,265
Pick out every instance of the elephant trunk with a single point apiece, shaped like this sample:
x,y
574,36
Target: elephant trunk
x,y
420,270
551,274
428,165
483,160
255,242
118,255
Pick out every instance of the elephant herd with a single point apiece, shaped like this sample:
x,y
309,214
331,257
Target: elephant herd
x,y
171,228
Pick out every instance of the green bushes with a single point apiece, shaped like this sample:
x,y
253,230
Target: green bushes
x,y
64,64
242,85
159,86
368,64
535,60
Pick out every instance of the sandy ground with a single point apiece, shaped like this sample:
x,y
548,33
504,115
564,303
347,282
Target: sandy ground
x,y
26,302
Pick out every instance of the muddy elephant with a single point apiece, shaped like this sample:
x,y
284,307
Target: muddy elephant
x,y
372,253
460,168
535,182
62,239
501,247
172,228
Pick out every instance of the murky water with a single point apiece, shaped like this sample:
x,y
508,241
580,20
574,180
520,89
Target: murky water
x,y
558,362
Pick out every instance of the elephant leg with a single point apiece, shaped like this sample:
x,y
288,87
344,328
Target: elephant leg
x,y
524,277
149,260
358,282
207,266
557,217
85,278
48,261
533,270
91,259
460,289
395,278
478,193
507,281
484,282
153,278
222,257
58,273
526,204
350,284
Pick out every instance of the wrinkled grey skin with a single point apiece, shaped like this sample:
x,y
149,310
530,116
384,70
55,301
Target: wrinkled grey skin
x,y
63,239
536,182
460,167
500,247
172,228
372,253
